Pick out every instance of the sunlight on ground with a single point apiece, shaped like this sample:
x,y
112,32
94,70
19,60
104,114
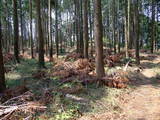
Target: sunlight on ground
x,y
13,79
99,99
13,76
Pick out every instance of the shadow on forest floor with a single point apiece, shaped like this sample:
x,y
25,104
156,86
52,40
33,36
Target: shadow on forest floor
x,y
150,71
95,99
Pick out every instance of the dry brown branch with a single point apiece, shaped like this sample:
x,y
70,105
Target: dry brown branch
x,y
19,104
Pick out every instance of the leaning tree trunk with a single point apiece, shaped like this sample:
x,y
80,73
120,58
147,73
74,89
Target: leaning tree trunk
x,y
40,36
2,76
98,38
16,31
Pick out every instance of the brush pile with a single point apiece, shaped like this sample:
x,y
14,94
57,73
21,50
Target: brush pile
x,y
69,69
20,107
117,80
113,59
73,56
13,92
83,71
8,57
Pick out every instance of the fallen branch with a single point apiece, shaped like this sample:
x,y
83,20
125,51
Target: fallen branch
x,y
21,104
77,99
21,97
126,66
7,110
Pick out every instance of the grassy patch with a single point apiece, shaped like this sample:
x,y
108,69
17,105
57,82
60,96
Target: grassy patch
x,y
99,99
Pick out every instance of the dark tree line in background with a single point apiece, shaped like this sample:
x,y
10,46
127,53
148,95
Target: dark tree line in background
x,y
47,27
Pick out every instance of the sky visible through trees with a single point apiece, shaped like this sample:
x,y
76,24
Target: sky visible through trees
x,y
60,53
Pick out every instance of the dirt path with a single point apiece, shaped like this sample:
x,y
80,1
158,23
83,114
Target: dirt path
x,y
144,102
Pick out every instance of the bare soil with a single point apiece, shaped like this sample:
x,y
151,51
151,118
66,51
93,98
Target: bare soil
x,y
143,101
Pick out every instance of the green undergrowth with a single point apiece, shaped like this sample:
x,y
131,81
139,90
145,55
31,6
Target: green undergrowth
x,y
95,99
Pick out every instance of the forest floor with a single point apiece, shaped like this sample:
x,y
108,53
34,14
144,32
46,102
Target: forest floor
x,y
142,102
139,101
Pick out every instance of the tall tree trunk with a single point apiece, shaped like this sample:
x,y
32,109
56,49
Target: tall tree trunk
x,y
114,22
157,31
49,30
31,35
81,27
21,21
129,24
77,27
16,31
2,75
153,27
136,30
56,26
126,33
90,24
40,35
98,38
85,28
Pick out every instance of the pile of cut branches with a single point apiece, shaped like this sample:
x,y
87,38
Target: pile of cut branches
x,y
20,107
113,59
108,51
73,56
8,57
13,92
69,69
118,80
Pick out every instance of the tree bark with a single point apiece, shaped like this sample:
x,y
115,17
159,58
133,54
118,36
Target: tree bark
x,y
31,35
114,28
126,33
16,31
85,28
49,30
40,36
153,27
56,26
129,24
136,29
21,21
2,75
98,38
